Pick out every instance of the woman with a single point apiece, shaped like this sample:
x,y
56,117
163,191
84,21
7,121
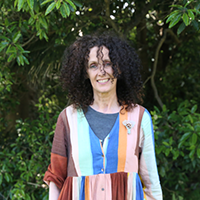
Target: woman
x,y
103,146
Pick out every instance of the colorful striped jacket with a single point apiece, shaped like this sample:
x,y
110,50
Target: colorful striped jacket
x,y
124,168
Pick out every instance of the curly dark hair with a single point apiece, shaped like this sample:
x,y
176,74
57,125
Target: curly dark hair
x,y
126,68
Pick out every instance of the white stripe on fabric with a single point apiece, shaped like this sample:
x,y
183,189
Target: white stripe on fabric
x,y
148,149
134,186
72,119
105,145
84,147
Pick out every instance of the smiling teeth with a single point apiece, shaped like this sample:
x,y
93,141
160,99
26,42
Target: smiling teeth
x,y
103,81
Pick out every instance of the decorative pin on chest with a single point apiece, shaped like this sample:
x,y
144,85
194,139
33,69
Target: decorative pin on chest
x,y
129,125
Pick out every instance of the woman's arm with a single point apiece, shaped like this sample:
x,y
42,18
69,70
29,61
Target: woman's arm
x,y
56,173
148,167
54,191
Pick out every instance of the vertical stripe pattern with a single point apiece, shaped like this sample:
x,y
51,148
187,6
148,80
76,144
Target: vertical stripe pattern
x,y
74,136
110,172
84,148
122,142
112,149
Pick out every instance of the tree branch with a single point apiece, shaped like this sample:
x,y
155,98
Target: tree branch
x,y
139,16
156,62
173,35
110,21
28,41
2,196
34,184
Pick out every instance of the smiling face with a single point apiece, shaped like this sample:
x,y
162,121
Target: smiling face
x,y
100,72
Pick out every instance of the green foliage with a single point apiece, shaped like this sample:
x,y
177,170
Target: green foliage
x,y
33,36
24,160
177,147
189,13
14,30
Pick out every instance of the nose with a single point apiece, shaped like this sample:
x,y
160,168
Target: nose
x,y
102,69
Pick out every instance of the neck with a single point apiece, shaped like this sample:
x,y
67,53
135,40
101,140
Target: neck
x,y
106,103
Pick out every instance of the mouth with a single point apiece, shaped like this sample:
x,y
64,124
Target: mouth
x,y
103,80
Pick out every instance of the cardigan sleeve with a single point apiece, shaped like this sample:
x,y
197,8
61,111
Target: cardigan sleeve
x,y
57,169
148,167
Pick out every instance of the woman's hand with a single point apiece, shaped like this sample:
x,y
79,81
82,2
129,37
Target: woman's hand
x,y
54,191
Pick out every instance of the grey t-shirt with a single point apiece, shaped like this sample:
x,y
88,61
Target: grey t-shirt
x,y
100,123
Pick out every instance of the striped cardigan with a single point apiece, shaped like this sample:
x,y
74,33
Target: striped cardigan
x,y
124,168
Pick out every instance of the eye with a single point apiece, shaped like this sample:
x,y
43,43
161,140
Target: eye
x,y
107,64
93,66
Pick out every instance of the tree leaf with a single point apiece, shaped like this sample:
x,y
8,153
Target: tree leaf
x,y
191,119
50,8
63,11
173,197
30,3
10,58
172,15
188,125
31,20
188,2
191,155
58,4
194,108
198,153
198,6
66,7
15,3
181,28
8,49
186,19
43,22
191,14
7,177
25,60
20,4
71,4
19,47
1,178
194,138
166,144
77,3
20,60
47,1
195,24
175,20
162,171
5,38
16,36
176,6
185,136
2,46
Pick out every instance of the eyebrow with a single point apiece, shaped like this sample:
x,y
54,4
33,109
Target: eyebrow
x,y
90,62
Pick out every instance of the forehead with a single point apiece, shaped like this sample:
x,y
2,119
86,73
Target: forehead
x,y
99,52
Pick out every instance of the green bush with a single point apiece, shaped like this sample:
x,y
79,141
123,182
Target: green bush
x,y
24,161
177,137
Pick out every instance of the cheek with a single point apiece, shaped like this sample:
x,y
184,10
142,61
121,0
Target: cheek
x,y
91,76
109,71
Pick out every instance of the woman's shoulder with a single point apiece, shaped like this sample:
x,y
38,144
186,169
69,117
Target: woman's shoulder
x,y
137,109
69,111
142,113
